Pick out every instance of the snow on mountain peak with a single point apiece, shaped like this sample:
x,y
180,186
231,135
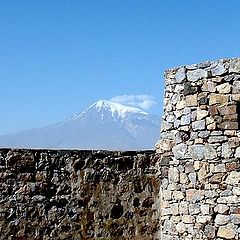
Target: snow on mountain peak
x,y
116,109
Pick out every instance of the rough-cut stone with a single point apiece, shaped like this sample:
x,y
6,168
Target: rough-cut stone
x,y
209,86
222,219
179,150
218,99
235,218
226,232
205,191
218,70
199,125
201,114
185,120
180,75
227,110
221,208
191,100
173,175
209,231
180,105
234,66
233,178
180,227
228,125
199,152
237,153
196,75
224,88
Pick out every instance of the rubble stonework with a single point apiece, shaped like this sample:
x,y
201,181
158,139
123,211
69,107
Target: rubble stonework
x,y
47,194
200,152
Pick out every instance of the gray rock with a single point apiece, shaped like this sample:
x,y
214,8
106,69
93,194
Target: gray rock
x,y
234,66
196,75
200,151
199,125
222,219
237,153
179,150
180,75
218,70
209,231
185,120
192,177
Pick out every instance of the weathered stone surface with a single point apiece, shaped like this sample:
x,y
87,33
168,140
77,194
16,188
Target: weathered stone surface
x,y
218,99
189,89
180,75
228,126
209,231
205,180
191,100
185,120
180,105
221,208
224,88
227,110
199,152
201,114
196,75
222,219
233,178
218,70
179,150
237,153
234,66
199,125
180,227
50,194
226,232
173,175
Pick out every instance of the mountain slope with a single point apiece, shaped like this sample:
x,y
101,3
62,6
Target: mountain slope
x,y
104,125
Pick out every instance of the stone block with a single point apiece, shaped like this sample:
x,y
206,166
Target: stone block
x,y
195,75
191,100
218,99
226,232
228,126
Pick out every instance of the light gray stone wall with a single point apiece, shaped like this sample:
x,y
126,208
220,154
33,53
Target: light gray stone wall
x,y
200,152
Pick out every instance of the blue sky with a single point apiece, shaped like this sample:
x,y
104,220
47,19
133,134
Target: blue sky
x,y
58,57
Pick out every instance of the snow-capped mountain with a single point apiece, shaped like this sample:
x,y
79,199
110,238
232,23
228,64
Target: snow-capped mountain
x,y
104,125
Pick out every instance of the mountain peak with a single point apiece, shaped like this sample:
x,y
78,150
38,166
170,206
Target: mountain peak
x,y
110,108
114,107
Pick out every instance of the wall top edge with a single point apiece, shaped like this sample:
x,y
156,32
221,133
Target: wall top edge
x,y
93,151
206,69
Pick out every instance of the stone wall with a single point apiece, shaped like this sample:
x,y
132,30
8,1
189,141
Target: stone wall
x,y
200,153
78,195
188,189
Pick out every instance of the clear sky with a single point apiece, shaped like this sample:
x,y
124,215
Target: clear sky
x,y
58,57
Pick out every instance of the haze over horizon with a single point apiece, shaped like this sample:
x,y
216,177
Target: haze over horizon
x,y
59,57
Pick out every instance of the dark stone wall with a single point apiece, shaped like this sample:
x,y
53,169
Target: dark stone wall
x,y
58,194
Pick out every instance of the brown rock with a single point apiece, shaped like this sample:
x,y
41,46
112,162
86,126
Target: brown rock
x,y
227,110
191,100
232,166
228,125
216,178
194,194
218,99
230,118
213,110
